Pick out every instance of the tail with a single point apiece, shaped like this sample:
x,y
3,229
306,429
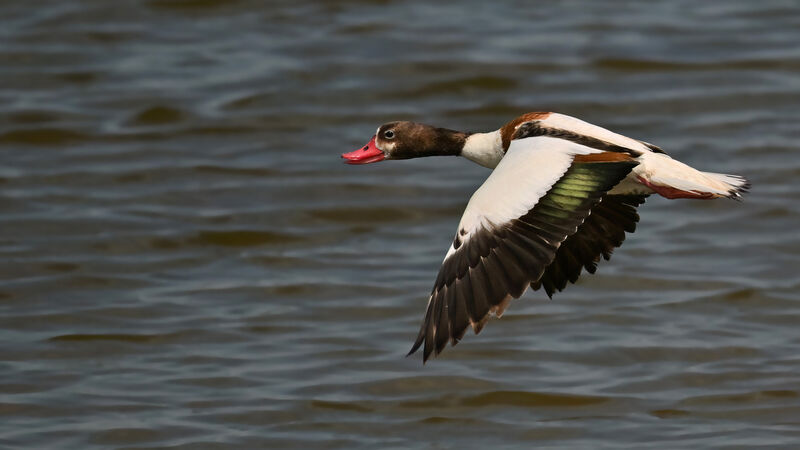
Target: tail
x,y
732,186
673,179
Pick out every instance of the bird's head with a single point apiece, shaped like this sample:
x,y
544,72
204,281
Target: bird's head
x,y
406,140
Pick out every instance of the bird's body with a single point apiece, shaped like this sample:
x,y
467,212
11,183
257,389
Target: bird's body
x,y
562,194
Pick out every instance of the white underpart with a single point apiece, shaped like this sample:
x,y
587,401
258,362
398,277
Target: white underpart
x,y
564,122
485,149
630,185
529,169
661,170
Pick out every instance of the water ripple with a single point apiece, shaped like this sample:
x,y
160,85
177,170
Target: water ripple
x,y
186,262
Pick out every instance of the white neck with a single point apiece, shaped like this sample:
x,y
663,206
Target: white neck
x,y
485,149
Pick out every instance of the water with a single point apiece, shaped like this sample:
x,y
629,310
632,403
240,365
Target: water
x,y
185,262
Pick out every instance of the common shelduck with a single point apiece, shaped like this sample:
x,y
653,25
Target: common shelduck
x,y
562,194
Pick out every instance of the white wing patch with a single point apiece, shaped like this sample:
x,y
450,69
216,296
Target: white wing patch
x,y
529,169
662,170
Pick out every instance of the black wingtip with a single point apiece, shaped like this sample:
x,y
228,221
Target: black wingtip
x,y
418,342
424,334
414,350
427,351
415,347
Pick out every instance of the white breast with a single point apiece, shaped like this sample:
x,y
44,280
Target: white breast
x,y
485,149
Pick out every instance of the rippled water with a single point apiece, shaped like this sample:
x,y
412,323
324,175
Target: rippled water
x,y
187,264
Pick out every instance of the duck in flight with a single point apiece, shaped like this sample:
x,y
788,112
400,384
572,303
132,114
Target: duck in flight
x,y
562,194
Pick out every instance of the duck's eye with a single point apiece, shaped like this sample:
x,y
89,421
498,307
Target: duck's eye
x,y
388,134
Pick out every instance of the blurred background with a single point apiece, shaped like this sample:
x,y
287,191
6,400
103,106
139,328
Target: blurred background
x,y
186,263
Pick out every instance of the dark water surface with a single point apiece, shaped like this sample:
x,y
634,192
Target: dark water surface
x,y
185,262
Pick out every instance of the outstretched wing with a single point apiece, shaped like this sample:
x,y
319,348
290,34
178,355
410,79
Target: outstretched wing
x,y
538,195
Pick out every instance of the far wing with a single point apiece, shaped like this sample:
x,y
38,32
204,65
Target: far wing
x,y
513,225
597,236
